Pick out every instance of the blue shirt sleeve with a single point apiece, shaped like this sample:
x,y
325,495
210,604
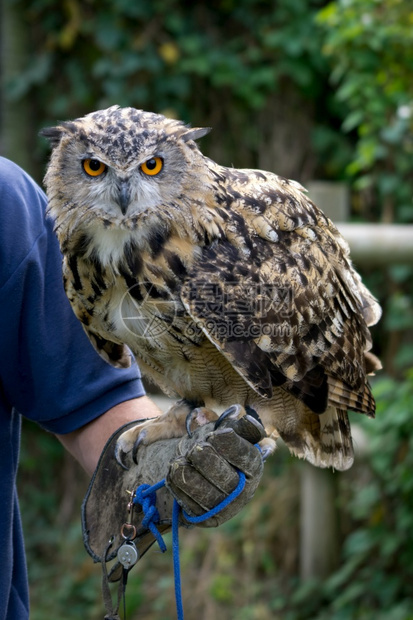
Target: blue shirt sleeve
x,y
49,371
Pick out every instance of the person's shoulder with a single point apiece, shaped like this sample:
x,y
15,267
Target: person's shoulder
x,y
9,169
17,185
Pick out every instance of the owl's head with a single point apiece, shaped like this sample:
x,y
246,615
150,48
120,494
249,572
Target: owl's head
x,y
122,168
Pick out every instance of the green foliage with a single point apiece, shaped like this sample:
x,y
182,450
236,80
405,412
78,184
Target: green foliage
x,y
379,551
152,54
370,44
376,573
217,63
370,47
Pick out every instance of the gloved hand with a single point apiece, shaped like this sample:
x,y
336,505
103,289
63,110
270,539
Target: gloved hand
x,y
200,471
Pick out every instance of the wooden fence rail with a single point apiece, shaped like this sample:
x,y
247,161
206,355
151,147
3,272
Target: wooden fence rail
x,y
378,244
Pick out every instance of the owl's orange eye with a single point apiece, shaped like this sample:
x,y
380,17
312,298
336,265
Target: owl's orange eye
x,y
93,167
152,166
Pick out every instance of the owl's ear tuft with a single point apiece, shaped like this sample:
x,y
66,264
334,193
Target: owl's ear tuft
x,y
53,134
195,133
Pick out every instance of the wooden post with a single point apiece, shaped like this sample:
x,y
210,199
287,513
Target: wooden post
x,y
332,197
319,537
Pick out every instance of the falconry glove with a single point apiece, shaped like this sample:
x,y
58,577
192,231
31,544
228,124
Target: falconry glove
x,y
200,472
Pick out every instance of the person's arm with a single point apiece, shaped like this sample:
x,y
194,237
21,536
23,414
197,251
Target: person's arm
x,y
87,443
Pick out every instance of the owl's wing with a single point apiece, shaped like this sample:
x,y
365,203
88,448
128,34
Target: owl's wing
x,y
279,298
79,290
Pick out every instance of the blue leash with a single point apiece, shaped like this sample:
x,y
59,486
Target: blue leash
x,y
145,495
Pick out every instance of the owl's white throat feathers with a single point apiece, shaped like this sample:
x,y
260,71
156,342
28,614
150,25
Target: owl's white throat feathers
x,y
109,243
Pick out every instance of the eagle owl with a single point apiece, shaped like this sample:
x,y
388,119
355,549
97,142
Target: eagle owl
x,y
228,286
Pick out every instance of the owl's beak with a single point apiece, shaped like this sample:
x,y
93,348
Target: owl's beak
x,y
124,196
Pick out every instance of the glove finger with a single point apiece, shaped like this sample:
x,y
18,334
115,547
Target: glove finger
x,y
237,451
247,427
213,467
186,483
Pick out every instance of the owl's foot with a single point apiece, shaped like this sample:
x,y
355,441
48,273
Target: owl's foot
x,y
241,415
174,423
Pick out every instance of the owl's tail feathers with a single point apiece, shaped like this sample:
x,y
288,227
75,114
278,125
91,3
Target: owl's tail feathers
x,y
325,440
336,444
343,396
372,363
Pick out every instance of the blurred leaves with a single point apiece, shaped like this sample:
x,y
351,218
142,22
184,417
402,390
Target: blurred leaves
x,y
190,59
370,46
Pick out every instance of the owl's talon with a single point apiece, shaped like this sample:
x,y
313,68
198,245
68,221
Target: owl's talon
x,y
188,421
190,418
267,447
119,455
232,413
198,417
138,442
252,412
265,453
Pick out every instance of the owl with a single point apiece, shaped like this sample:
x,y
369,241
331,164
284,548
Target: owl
x,y
227,286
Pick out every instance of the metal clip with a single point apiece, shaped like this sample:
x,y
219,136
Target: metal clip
x,y
128,530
